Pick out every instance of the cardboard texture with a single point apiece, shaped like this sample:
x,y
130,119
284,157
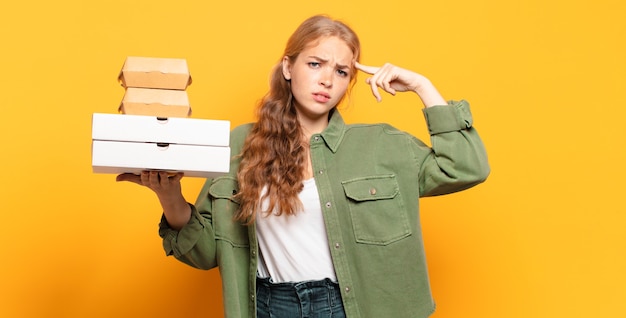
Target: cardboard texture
x,y
131,157
152,132
153,72
132,143
155,102
136,128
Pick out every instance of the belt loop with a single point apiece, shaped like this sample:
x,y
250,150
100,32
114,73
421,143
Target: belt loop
x,y
331,293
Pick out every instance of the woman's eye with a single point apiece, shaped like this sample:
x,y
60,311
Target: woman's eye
x,y
314,64
342,73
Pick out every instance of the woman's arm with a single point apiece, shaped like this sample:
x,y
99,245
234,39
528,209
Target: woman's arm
x,y
394,79
187,233
168,189
457,159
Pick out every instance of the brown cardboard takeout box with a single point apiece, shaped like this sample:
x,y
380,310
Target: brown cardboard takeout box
x,y
149,136
155,102
154,72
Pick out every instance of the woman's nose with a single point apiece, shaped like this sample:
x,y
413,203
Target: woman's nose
x,y
326,80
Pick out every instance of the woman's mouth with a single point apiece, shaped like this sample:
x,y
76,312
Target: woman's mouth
x,y
321,97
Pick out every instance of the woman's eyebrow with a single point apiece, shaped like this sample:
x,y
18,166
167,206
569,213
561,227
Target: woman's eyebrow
x,y
340,66
318,58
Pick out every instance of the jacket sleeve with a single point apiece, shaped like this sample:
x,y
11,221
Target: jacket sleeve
x,y
195,243
457,159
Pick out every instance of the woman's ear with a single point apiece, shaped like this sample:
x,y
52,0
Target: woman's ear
x,y
286,68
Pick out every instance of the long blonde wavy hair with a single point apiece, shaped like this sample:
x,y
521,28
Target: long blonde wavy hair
x,y
273,155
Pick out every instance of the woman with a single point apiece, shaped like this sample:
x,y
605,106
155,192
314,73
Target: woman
x,y
318,218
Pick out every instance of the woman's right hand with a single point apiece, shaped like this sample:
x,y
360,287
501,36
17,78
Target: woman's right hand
x,y
161,182
394,79
168,189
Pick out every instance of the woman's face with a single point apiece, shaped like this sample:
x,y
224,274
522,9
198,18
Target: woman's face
x,y
319,76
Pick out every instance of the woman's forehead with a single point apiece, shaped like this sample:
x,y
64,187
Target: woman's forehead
x,y
329,47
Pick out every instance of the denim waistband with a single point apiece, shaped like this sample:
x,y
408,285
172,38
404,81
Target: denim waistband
x,y
319,298
288,286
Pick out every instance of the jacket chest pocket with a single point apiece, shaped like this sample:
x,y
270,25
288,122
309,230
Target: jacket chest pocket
x,y
377,210
224,206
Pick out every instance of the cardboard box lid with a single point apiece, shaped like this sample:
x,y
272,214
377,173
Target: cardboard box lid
x,y
131,157
154,72
139,128
156,96
155,102
155,110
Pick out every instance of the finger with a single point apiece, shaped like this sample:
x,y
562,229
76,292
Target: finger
x,y
177,177
131,177
385,77
153,179
381,77
372,81
164,179
383,80
145,178
388,78
373,86
365,68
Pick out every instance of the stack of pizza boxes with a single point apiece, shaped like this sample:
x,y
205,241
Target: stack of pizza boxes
x,y
152,129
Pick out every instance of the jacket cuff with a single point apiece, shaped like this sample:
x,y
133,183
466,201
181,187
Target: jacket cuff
x,y
178,243
441,119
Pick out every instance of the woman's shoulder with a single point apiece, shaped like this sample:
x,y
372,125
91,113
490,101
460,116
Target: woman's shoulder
x,y
383,134
241,130
238,135
373,128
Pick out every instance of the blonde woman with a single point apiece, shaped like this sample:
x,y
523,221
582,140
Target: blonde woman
x,y
318,218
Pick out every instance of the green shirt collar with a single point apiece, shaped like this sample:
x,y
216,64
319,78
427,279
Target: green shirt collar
x,y
333,134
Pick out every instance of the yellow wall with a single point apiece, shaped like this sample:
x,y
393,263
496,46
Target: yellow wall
x,y
544,237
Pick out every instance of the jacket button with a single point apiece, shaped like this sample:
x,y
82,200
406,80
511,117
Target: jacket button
x,y
328,205
373,191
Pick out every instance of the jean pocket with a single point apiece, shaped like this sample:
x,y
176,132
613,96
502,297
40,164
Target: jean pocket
x,y
377,209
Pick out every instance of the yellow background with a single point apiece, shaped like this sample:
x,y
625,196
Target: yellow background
x,y
543,237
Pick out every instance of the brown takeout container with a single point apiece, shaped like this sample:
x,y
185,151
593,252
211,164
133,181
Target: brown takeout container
x,y
155,102
154,72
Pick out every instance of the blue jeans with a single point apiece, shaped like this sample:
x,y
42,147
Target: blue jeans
x,y
310,299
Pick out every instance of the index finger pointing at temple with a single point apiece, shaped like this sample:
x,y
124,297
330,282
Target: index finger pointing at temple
x,y
365,68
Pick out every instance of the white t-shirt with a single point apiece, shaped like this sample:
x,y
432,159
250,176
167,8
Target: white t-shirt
x,y
294,248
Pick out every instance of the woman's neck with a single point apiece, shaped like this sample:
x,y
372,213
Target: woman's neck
x,y
312,127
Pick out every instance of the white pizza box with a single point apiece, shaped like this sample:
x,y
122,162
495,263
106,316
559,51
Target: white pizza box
x,y
155,102
155,72
172,130
117,157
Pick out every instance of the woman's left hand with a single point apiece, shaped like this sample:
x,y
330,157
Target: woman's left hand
x,y
394,79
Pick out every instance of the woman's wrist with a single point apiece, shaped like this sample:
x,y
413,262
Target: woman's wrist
x,y
177,212
428,93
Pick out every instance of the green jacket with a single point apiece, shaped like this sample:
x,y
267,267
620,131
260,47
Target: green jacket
x,y
369,178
